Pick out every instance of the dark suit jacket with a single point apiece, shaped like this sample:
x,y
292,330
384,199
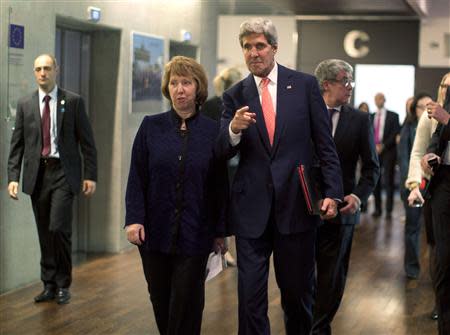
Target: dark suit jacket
x,y
354,139
213,108
439,140
391,130
267,176
74,133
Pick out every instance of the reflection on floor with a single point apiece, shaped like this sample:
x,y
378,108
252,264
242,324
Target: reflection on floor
x,y
109,295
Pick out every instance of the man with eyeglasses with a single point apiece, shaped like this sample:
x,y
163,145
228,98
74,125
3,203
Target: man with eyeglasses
x,y
386,128
353,136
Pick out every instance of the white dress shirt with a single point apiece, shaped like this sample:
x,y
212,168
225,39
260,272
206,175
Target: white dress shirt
x,y
381,113
335,118
273,76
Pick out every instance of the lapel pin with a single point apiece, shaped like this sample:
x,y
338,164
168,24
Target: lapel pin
x,y
63,102
288,87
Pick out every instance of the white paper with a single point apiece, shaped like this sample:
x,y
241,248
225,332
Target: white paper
x,y
214,265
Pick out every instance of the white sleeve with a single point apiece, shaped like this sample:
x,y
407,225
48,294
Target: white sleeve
x,y
234,138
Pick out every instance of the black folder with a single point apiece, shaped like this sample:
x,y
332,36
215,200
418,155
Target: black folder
x,y
310,177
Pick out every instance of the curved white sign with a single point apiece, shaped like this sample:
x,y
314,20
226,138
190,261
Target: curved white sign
x,y
350,43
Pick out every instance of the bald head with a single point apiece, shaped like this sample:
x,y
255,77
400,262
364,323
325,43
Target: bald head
x,y
379,100
45,71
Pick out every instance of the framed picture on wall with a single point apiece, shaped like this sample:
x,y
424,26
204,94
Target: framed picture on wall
x,y
147,52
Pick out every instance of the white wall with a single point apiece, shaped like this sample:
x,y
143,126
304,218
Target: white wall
x,y
434,51
19,249
396,82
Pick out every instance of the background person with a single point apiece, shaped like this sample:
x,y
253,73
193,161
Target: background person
x,y
424,132
413,214
51,127
175,199
223,81
364,107
273,118
386,128
439,149
213,108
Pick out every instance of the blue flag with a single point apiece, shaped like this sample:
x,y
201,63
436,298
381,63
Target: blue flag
x,y
16,36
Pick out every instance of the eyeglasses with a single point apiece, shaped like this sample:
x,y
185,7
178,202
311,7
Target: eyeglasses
x,y
344,81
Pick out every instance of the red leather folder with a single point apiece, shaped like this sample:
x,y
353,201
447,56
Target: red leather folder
x,y
310,184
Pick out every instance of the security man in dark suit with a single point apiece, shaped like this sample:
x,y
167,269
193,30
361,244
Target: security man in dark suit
x,y
353,136
386,128
51,127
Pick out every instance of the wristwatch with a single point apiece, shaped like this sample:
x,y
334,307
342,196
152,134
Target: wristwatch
x,y
413,185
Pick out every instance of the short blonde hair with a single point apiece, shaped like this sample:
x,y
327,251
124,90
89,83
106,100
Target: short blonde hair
x,y
188,67
226,79
441,90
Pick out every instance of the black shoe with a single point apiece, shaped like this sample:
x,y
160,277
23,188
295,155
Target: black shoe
x,y
62,296
376,214
47,294
411,276
434,314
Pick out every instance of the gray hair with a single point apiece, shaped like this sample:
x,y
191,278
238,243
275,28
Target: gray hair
x,y
259,26
329,70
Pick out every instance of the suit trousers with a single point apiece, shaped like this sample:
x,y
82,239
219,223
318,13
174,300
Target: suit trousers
x,y
440,200
428,220
293,258
386,181
333,247
176,284
52,202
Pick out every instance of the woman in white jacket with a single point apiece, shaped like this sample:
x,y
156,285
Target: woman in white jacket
x,y
425,130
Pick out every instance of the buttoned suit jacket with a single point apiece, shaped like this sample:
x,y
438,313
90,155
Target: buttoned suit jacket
x,y
267,175
354,139
391,130
74,133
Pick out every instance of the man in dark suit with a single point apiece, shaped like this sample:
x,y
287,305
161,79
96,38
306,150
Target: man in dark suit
x,y
439,150
354,140
276,119
386,128
51,127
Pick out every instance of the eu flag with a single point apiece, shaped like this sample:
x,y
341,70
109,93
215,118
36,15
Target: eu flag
x,y
16,36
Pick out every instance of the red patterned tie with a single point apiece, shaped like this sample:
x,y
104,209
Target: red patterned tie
x,y
267,107
46,127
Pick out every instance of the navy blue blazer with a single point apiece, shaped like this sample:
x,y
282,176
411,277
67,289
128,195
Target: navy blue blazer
x,y
267,175
176,187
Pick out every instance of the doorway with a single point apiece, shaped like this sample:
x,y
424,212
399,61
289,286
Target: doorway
x,y
396,82
73,52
